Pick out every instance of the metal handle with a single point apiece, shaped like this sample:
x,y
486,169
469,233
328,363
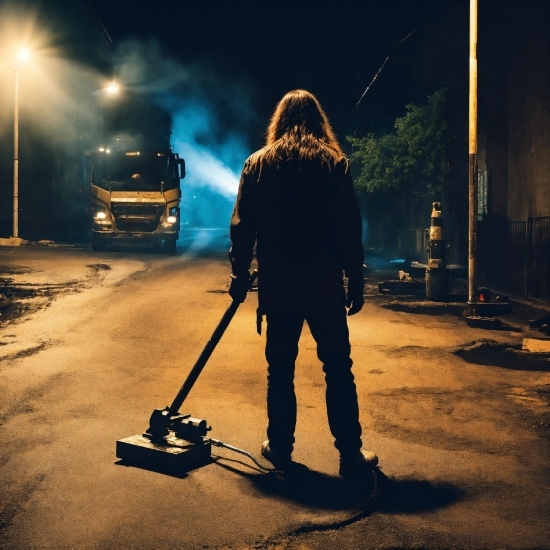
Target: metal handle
x,y
206,353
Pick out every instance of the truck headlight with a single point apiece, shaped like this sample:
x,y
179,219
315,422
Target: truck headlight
x,y
100,215
171,219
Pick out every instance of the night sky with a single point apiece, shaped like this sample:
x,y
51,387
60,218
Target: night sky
x,y
218,69
258,51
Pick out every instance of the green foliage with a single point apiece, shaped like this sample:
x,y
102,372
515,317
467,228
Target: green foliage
x,y
413,158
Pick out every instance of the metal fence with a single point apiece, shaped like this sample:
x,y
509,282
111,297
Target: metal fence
x,y
538,258
514,257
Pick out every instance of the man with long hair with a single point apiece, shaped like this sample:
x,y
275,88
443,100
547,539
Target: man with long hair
x,y
297,204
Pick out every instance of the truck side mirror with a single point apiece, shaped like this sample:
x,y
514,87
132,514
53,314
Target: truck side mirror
x,y
181,163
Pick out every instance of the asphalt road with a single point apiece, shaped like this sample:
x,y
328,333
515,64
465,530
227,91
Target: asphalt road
x,y
94,342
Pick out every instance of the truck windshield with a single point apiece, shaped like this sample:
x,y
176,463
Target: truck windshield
x,y
133,171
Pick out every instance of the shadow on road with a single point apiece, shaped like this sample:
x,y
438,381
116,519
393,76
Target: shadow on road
x,y
180,472
310,488
172,472
495,354
412,496
314,489
374,491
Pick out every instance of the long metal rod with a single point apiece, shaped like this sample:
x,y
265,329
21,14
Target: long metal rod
x,y
472,171
16,155
206,353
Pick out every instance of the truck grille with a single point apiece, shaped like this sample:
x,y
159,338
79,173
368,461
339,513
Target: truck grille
x,y
137,216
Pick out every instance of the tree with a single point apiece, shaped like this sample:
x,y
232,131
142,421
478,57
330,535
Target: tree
x,y
413,159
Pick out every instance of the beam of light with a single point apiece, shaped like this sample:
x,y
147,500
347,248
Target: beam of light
x,y
55,96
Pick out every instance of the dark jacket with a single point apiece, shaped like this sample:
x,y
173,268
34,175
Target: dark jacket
x,y
304,217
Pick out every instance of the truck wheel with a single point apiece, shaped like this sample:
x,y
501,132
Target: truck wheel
x,y
98,244
170,244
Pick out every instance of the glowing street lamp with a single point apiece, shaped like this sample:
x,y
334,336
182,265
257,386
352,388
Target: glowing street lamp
x,y
23,55
113,88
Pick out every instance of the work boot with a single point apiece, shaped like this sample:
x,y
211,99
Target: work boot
x,y
358,463
280,462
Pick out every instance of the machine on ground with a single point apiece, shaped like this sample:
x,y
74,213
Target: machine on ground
x,y
176,442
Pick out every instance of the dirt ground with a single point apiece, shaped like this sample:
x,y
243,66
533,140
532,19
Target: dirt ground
x,y
91,343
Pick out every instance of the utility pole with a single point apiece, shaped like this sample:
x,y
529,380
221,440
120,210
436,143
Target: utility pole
x,y
472,168
23,55
16,155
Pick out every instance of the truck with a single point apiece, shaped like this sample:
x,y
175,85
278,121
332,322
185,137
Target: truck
x,y
135,193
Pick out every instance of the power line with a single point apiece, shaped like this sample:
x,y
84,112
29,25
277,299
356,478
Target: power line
x,y
99,26
372,81
391,53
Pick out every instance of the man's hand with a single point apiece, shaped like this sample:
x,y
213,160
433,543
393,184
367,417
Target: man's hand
x,y
354,296
239,286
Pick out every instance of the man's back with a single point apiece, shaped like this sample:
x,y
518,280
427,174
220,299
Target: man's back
x,y
307,225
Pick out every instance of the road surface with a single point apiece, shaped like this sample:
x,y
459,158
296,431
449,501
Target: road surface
x,y
458,418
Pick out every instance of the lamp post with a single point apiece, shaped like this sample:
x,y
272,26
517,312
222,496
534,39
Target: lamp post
x,y
23,55
472,172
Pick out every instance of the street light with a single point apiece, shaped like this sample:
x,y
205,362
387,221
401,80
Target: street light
x,y
22,55
113,88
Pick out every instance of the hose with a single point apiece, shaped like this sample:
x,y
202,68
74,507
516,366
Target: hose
x,y
218,443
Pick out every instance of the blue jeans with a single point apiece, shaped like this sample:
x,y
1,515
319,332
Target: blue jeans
x,y
330,331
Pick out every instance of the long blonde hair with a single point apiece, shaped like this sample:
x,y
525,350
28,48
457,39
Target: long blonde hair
x,y
299,128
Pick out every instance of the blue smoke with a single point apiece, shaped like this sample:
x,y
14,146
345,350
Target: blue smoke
x,y
213,166
210,115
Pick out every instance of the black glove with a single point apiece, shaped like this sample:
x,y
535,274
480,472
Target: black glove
x,y
239,286
354,295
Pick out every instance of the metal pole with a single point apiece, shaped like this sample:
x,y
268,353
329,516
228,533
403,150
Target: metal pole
x,y
472,172
203,358
206,353
16,156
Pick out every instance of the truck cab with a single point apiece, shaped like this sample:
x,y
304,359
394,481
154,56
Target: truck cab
x,y
135,195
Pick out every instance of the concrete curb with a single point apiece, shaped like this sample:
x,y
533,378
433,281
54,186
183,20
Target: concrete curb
x,y
17,241
13,241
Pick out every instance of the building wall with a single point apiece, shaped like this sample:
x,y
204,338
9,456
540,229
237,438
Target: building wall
x,y
514,146
528,106
514,107
493,145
